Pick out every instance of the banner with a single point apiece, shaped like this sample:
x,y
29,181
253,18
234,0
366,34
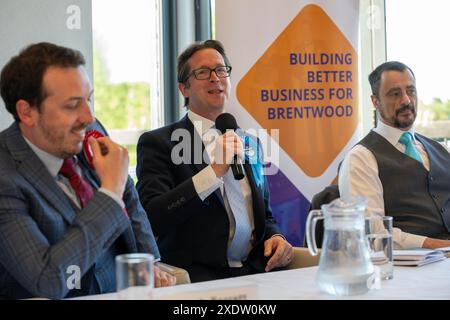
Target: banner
x,y
295,75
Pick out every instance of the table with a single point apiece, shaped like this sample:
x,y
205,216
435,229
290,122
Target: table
x,y
427,282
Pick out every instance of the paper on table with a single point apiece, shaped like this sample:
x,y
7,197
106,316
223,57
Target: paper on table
x,y
446,251
417,257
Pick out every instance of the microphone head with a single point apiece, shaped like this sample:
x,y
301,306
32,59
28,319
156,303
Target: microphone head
x,y
226,121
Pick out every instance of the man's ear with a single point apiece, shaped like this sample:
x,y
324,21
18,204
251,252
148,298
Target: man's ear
x,y
375,101
25,112
183,89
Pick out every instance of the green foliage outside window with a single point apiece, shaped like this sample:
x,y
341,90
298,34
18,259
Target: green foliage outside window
x,y
120,105
438,109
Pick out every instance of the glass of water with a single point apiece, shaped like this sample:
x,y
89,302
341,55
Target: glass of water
x,y
134,276
379,237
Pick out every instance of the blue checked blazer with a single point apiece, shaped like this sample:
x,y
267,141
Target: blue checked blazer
x,y
42,233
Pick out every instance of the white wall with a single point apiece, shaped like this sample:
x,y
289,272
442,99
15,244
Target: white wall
x,y
64,22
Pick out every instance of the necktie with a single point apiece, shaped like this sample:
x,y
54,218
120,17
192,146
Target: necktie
x,y
81,187
410,150
238,248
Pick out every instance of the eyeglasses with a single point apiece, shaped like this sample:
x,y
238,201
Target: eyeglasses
x,y
205,73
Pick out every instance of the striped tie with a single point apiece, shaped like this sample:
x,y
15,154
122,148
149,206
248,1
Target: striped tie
x,y
238,249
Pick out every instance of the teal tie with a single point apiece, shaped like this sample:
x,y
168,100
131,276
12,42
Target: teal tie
x,y
410,150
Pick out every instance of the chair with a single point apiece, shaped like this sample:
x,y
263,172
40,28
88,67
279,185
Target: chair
x,y
325,196
302,259
181,274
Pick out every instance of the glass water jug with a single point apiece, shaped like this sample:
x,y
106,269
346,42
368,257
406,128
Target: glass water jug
x,y
344,266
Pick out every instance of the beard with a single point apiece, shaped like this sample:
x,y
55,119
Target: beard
x,y
401,124
58,140
397,121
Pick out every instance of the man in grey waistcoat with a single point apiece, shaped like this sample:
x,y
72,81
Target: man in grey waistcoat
x,y
402,173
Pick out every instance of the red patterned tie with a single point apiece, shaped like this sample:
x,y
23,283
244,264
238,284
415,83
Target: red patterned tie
x,y
81,187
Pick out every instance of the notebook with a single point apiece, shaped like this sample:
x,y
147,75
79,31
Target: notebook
x,y
417,257
445,250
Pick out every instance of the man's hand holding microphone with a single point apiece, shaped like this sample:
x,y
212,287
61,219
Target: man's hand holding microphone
x,y
229,150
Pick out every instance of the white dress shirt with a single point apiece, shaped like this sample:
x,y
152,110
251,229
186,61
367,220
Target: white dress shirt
x,y
54,164
359,176
206,181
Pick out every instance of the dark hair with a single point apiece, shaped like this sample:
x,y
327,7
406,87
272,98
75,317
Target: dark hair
x,y
183,68
375,75
22,76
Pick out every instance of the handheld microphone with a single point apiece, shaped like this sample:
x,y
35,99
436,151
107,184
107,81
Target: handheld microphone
x,y
224,122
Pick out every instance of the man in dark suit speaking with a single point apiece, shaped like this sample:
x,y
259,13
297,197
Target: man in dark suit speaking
x,y
61,217
204,219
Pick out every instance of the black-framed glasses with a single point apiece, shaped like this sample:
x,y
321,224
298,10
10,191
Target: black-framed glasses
x,y
205,73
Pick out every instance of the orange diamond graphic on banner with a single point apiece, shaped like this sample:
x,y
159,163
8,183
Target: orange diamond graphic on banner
x,y
306,85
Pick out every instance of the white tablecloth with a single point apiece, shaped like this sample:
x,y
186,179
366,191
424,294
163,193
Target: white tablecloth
x,y
427,282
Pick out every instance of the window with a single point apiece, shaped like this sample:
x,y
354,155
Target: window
x,y
415,35
127,73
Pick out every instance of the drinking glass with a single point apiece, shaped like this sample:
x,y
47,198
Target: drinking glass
x,y
134,276
379,237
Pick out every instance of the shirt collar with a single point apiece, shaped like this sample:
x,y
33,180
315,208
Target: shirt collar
x,y
391,134
52,163
201,124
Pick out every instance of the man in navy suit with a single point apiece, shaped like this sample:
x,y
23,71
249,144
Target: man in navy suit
x,y
48,230
187,199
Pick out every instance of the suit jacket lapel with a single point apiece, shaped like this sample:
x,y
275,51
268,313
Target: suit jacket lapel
x,y
127,237
34,171
197,147
88,173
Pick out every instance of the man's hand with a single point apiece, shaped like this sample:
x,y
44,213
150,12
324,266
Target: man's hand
x,y
110,161
431,243
163,279
227,146
281,251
